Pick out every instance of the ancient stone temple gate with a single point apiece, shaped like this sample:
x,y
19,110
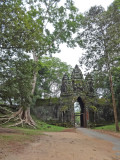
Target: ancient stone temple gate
x,y
77,89
74,89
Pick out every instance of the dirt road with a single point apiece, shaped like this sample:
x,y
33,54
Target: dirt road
x,y
66,146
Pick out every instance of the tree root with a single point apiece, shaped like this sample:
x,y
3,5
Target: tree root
x,y
6,109
21,117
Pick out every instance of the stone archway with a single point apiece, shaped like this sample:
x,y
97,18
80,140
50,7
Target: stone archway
x,y
77,112
82,115
77,88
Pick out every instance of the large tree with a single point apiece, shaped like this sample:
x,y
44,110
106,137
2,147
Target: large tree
x,y
16,73
101,40
37,27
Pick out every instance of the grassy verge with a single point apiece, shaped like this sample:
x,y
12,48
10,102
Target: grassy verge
x,y
41,127
107,127
24,133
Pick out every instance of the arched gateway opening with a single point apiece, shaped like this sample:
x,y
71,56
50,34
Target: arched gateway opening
x,y
79,113
82,123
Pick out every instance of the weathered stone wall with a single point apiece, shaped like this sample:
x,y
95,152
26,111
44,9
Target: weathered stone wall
x,y
47,109
58,109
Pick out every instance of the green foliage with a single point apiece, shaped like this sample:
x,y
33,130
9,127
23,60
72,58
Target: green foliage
x,y
64,108
93,108
49,82
29,29
16,72
103,101
54,100
101,40
77,119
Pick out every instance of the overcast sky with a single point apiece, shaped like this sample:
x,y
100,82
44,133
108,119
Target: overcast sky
x,y
71,56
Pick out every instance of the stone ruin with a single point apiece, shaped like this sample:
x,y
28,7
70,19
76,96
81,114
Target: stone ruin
x,y
75,88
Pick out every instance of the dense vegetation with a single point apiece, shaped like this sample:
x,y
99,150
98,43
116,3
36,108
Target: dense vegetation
x,y
32,30
101,40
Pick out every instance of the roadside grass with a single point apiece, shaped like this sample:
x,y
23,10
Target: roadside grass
x,y
107,127
25,133
41,128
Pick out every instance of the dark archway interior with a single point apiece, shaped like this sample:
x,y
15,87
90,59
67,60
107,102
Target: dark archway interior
x,y
82,111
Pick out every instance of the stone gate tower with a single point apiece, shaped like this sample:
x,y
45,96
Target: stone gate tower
x,y
76,88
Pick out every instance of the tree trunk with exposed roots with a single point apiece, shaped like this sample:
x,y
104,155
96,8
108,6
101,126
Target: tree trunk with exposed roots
x,y
22,116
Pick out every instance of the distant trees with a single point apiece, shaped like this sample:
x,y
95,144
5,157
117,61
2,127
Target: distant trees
x,y
101,39
49,84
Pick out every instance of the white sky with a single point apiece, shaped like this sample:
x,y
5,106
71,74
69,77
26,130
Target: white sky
x,y
69,55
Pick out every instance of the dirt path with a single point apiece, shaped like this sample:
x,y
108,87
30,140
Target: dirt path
x,y
65,146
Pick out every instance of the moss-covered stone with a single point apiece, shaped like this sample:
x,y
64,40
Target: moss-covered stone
x,y
47,102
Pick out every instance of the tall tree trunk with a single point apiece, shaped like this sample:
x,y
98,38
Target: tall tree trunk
x,y
114,103
35,74
26,114
28,117
112,92
34,82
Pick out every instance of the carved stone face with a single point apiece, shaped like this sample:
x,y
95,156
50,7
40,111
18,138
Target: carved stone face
x,y
76,84
65,77
77,74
